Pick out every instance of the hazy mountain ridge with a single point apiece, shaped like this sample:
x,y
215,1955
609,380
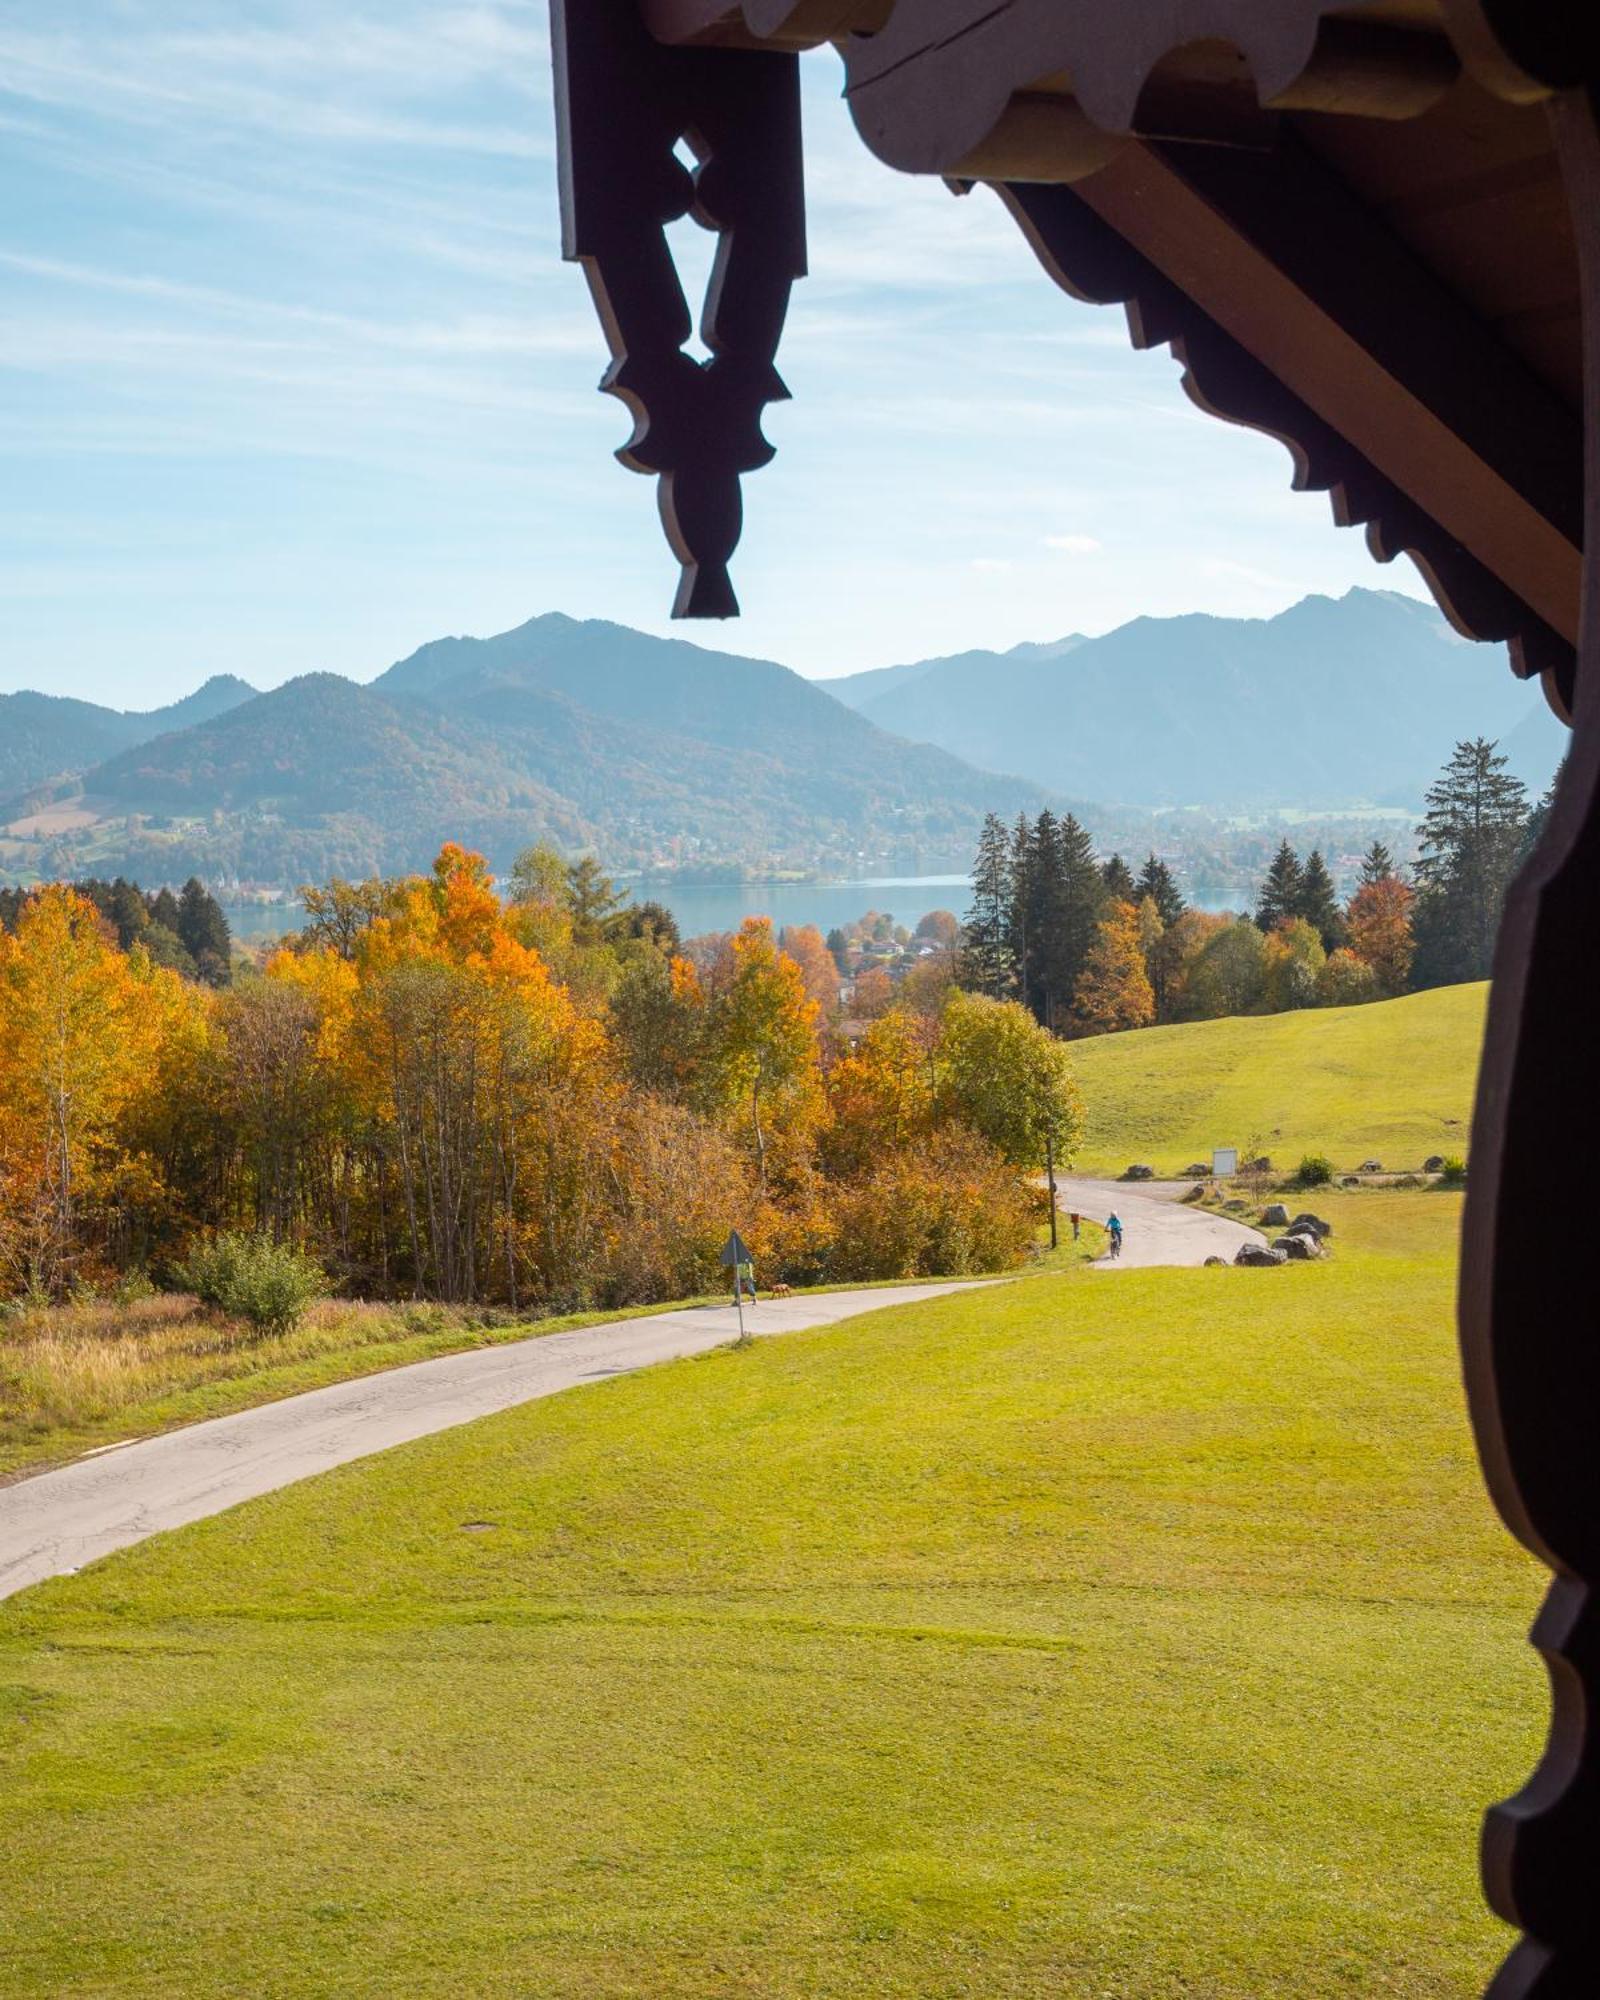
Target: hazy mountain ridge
x,y
662,754
45,736
654,751
1334,702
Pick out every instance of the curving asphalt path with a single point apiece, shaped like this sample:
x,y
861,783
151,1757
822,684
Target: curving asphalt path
x,y
1157,1228
56,1522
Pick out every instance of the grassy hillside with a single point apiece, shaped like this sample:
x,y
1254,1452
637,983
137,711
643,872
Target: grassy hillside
x,y
1143,1637
1392,1081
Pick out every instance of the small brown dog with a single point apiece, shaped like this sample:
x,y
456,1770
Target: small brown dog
x,y
779,1291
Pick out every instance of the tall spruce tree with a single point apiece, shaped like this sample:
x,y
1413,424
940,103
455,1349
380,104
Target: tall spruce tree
x,y
1155,881
1538,820
1471,839
1021,908
1319,904
986,963
1080,897
1118,879
1282,890
1036,895
1377,865
203,931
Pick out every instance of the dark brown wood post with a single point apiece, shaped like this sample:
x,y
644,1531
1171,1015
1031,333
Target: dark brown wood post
x,y
1529,1307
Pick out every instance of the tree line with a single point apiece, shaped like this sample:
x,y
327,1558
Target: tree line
x,y
536,1098
1088,947
187,932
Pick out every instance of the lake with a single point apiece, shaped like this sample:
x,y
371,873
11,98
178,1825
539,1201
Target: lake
x,y
723,906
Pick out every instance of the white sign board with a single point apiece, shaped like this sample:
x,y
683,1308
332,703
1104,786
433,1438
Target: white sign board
x,y
1225,1162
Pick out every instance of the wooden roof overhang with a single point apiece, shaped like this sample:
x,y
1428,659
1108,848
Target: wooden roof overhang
x,y
1370,228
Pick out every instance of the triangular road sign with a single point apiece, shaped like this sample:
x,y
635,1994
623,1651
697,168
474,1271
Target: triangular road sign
x,y
734,1250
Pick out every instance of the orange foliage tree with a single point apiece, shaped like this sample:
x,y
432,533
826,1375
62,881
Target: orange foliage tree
x,y
1379,925
1114,990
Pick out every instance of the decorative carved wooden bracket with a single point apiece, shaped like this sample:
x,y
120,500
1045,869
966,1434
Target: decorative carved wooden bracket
x,y
623,104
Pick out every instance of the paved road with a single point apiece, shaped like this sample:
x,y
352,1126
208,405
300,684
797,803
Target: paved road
x,y
1156,1228
55,1523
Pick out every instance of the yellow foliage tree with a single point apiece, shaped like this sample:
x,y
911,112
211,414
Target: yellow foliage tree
x,y
1114,990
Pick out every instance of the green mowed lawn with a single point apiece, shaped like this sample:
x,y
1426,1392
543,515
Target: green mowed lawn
x,y
1131,1635
1391,1081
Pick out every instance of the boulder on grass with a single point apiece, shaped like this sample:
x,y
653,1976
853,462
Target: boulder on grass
x,y
1220,1263
1260,1165
1312,1222
1433,1164
1372,1166
1261,1256
1349,1180
1139,1174
1276,1216
1198,1172
1301,1244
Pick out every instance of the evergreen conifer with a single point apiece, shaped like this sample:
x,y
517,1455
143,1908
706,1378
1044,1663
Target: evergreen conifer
x,y
1319,904
986,948
1282,890
1471,838
1155,881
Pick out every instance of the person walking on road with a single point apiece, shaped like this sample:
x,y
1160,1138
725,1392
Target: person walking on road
x,y
744,1281
1114,1226
1077,1225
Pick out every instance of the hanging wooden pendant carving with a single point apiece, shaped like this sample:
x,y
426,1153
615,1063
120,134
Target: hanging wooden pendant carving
x,y
623,104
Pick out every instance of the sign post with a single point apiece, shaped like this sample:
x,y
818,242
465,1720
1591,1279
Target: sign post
x,y
734,1253
1050,1176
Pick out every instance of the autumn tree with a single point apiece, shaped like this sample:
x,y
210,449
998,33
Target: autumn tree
x,y
1293,964
1114,988
1008,1079
872,994
1379,927
1346,980
766,1040
804,944
77,1025
882,1095
1229,973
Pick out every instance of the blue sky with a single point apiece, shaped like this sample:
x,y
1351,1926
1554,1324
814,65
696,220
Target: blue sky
x,y
292,378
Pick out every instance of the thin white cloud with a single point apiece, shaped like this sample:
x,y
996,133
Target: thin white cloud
x,y
1075,545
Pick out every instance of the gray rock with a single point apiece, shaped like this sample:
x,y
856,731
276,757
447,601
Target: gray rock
x,y
1140,1174
1261,1256
1275,1217
1372,1166
1349,1180
1259,1165
1314,1222
1304,1247
1433,1164
1236,1206
1220,1263
1198,1172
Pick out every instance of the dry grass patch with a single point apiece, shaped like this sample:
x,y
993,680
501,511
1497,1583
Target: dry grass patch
x,y
77,1375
